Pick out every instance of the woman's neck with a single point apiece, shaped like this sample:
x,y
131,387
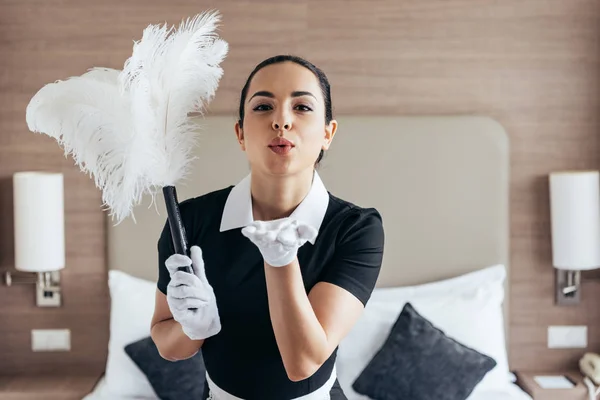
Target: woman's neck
x,y
277,197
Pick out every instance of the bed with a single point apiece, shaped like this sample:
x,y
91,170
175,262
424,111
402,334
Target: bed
x,y
441,185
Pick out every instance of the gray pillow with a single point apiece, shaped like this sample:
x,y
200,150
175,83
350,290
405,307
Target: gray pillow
x,y
420,362
170,380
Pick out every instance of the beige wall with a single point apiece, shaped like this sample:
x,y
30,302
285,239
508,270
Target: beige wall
x,y
533,65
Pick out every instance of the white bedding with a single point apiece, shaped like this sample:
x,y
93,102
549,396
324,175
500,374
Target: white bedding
x,y
102,392
511,392
468,308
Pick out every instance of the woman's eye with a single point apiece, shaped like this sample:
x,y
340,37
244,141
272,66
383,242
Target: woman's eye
x,y
302,107
262,107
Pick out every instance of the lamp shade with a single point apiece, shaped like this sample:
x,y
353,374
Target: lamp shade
x,y
39,225
575,214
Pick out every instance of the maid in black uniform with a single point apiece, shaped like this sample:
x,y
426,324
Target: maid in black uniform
x,y
283,268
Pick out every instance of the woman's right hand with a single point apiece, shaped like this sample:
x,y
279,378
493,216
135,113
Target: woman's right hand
x,y
191,298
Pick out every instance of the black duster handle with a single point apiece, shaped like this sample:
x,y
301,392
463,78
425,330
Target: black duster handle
x,y
175,223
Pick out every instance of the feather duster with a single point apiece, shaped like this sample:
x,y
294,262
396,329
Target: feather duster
x,y
131,129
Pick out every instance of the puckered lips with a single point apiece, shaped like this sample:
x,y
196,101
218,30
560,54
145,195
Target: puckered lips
x,y
281,146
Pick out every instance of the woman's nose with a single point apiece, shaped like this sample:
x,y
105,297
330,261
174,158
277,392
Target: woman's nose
x,y
281,125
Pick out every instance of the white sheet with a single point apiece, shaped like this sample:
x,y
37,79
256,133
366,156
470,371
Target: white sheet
x,y
511,392
101,392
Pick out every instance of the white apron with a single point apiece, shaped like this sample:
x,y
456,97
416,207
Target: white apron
x,y
322,393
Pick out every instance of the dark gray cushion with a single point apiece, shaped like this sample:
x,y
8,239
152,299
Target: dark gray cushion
x,y
420,362
171,380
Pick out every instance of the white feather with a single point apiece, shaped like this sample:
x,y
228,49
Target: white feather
x,y
91,120
173,73
130,129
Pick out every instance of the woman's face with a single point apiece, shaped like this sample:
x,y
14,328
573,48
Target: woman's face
x,y
284,123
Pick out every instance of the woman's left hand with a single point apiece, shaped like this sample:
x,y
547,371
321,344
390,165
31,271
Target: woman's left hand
x,y
279,240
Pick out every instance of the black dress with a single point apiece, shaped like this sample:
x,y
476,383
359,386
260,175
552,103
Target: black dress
x,y
347,252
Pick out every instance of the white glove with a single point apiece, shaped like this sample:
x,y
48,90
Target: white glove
x,y
191,298
279,240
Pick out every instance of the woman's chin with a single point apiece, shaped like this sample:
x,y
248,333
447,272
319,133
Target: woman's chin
x,y
282,168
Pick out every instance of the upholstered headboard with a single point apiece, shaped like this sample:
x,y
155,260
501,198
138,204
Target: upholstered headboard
x,y
440,183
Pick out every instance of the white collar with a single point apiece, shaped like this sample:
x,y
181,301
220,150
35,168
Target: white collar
x,y
238,207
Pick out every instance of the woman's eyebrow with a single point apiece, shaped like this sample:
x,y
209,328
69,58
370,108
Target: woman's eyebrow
x,y
302,93
264,93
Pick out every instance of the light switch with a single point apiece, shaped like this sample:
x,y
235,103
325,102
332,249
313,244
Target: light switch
x,y
567,337
51,339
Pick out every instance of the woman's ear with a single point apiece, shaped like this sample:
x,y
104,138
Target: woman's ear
x,y
239,133
330,130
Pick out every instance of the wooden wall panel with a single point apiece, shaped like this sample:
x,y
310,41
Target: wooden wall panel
x,y
533,65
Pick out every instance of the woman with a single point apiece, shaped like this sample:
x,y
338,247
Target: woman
x,y
283,269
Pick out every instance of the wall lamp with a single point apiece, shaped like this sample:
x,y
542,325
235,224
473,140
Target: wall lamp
x,y
39,233
575,219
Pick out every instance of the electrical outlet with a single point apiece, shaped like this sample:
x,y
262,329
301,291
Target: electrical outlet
x,y
50,339
567,337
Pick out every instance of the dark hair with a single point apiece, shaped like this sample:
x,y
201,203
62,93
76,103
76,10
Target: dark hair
x,y
323,82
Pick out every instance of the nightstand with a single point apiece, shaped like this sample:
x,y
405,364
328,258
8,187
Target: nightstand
x,y
525,380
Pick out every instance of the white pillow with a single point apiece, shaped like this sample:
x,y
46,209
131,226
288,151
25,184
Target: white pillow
x,y
131,310
467,308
